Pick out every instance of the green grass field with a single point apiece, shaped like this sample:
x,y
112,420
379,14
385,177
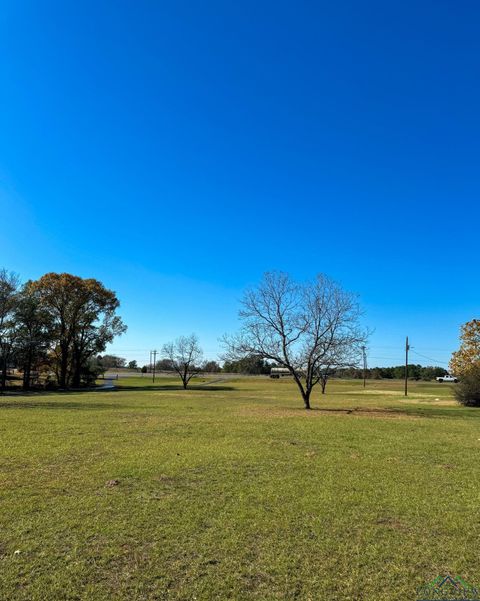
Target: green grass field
x,y
231,491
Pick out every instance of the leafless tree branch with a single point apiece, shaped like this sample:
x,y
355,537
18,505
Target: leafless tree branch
x,y
310,328
185,356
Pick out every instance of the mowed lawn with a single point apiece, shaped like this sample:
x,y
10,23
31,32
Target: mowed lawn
x,y
231,490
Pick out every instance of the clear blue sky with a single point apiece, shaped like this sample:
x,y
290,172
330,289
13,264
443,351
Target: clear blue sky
x,y
177,150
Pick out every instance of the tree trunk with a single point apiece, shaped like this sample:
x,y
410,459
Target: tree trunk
x,y
27,370
305,392
26,378
306,399
77,369
4,372
63,368
76,380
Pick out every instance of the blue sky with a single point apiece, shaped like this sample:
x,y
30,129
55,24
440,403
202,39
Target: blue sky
x,y
177,150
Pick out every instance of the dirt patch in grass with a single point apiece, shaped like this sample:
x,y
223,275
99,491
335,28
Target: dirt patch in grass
x,y
391,523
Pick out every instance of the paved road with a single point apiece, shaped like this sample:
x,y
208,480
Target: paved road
x,y
109,385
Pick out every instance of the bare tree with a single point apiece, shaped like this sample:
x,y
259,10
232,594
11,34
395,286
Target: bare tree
x,y
185,356
310,328
344,354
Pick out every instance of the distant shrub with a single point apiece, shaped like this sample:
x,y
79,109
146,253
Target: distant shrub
x,y
467,391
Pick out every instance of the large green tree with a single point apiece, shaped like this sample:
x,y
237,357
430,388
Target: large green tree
x,y
83,321
9,283
33,330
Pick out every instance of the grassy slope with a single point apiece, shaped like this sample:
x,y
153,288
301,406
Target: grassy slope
x,y
237,493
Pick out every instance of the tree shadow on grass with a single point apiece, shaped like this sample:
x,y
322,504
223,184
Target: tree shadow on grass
x,y
21,404
28,399
39,393
11,394
175,387
406,412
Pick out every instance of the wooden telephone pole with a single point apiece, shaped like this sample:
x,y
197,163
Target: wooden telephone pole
x,y
154,353
364,354
407,348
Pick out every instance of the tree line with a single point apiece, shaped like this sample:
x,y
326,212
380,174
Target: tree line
x,y
259,366
115,362
246,365
53,328
415,372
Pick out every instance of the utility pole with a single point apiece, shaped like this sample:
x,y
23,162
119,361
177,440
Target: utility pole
x,y
407,348
154,353
364,354
150,363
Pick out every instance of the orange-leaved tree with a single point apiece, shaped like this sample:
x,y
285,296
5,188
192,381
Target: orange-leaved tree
x,y
84,321
468,355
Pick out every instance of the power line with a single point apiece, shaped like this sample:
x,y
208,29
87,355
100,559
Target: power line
x,y
382,357
430,358
425,348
